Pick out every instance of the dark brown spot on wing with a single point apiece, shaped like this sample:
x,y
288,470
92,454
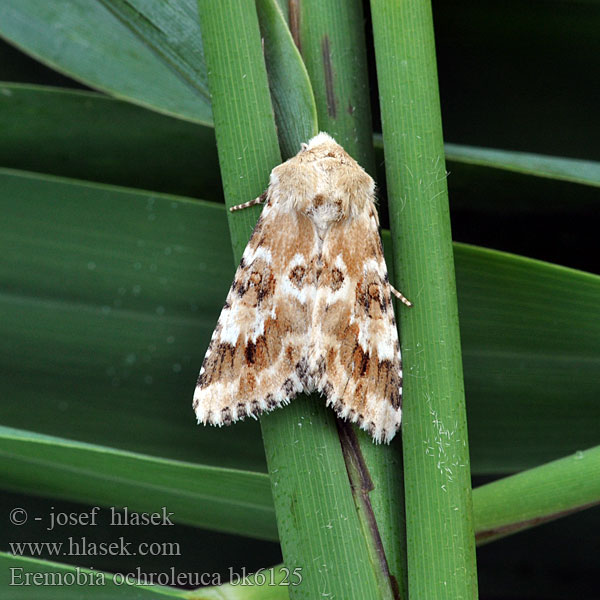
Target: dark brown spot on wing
x,y
288,387
258,285
297,276
302,371
337,279
250,352
256,353
318,200
216,364
226,415
370,300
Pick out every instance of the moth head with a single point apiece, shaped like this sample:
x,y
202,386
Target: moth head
x,y
322,181
323,146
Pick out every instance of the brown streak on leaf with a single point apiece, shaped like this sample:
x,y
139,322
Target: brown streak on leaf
x,y
328,72
294,22
361,484
488,535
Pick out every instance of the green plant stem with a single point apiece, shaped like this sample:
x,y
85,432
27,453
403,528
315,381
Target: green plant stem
x,y
332,42
291,92
316,516
439,523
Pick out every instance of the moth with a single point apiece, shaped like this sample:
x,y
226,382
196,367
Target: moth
x,y
310,308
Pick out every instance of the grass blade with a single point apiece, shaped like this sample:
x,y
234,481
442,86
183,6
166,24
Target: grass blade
x,y
585,172
316,516
291,92
103,585
557,168
545,333
332,41
85,40
82,472
538,495
440,540
91,136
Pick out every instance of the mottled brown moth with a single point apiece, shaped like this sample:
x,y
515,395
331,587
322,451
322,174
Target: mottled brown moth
x,y
310,308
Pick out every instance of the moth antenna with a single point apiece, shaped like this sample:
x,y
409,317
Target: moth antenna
x,y
401,296
260,200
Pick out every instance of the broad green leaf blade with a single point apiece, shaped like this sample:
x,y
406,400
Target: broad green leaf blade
x,y
149,53
537,496
585,172
90,136
18,575
548,347
84,316
171,30
108,299
215,498
439,521
557,168
531,345
291,92
75,581
240,502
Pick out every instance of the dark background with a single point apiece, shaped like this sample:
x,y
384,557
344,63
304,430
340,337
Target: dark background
x,y
514,75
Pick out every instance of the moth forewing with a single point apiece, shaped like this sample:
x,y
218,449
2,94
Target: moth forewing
x,y
310,306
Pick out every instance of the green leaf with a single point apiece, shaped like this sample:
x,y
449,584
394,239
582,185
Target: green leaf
x,y
216,498
149,53
332,43
90,136
531,345
538,495
59,316
586,172
439,523
97,584
311,523
108,299
331,36
291,92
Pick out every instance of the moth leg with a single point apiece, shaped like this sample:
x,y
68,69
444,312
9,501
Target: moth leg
x,y
400,296
259,200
